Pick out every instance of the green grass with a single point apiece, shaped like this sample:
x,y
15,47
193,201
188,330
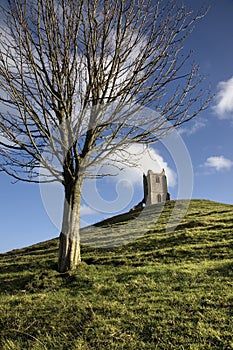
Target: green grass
x,y
161,290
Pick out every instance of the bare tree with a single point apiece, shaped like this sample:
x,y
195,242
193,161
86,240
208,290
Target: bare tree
x,y
75,77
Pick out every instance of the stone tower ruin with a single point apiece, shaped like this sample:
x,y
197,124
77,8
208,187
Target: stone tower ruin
x,y
155,188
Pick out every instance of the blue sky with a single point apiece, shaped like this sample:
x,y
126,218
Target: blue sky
x,y
30,213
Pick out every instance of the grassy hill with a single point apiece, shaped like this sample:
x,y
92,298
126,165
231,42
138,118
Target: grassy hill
x,y
160,290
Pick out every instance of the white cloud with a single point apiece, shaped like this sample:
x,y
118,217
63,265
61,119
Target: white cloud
x,y
86,210
218,163
193,128
136,160
224,99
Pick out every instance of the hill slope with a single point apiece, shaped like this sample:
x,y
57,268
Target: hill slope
x,y
138,287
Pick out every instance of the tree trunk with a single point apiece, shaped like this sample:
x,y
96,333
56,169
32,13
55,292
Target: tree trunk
x,y
69,249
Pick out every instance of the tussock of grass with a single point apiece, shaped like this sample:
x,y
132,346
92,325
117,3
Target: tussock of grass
x,y
162,290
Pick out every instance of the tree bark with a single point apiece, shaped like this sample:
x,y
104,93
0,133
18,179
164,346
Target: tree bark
x,y
69,248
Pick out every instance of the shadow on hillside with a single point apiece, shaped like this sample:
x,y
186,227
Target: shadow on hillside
x,y
213,212
166,241
36,249
16,268
11,285
18,265
14,277
190,224
225,270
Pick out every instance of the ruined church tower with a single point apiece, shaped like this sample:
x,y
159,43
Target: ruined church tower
x,y
155,187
